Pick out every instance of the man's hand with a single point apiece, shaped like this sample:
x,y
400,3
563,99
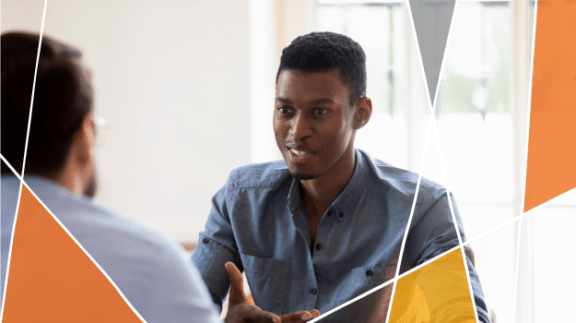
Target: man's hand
x,y
299,316
241,311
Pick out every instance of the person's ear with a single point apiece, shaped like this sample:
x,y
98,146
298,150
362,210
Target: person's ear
x,y
363,112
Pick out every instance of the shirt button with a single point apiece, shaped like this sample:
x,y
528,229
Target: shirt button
x,y
318,246
313,291
330,212
205,240
369,273
340,215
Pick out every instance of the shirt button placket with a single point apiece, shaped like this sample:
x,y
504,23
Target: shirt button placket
x,y
314,289
312,296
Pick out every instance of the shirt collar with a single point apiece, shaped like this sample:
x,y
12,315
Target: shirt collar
x,y
294,197
344,203
44,187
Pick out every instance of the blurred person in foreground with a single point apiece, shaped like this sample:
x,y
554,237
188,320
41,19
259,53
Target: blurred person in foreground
x,y
326,224
150,269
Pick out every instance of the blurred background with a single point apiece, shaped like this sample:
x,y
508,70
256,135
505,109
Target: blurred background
x,y
187,89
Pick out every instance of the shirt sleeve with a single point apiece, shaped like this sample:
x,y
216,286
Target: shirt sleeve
x,y
433,233
178,293
216,246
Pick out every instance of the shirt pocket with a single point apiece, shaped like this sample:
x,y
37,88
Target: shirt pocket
x,y
267,279
363,279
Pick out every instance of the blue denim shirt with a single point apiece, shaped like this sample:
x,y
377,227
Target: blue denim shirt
x,y
256,222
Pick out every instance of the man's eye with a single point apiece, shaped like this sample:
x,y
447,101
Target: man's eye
x,y
283,110
320,111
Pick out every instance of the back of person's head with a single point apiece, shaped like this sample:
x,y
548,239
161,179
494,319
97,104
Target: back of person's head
x,y
62,99
324,51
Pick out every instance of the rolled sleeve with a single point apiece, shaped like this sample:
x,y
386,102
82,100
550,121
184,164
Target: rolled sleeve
x,y
216,246
433,231
481,308
178,293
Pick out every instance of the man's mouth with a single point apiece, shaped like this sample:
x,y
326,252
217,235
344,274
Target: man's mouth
x,y
298,153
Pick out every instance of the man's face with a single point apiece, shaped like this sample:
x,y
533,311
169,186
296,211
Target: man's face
x,y
313,122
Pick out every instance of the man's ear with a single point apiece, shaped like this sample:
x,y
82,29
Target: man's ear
x,y
363,112
85,139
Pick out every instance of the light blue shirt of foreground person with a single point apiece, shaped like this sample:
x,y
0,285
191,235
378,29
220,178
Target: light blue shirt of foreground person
x,y
258,222
151,269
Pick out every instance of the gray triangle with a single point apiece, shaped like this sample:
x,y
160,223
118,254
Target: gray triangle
x,y
432,20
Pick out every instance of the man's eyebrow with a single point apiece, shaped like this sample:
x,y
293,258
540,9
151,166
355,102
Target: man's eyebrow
x,y
284,100
315,101
322,101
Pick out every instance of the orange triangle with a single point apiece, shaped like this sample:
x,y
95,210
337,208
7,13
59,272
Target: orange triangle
x,y
51,279
436,292
551,153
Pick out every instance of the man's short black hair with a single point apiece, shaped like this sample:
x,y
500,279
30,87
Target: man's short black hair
x,y
63,98
324,51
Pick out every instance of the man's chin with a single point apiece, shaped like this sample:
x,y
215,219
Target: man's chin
x,y
303,176
306,177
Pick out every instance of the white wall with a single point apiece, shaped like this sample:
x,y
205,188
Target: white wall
x,y
172,78
264,61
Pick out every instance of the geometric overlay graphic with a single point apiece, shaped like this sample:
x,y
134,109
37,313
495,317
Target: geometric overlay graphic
x,y
51,279
437,292
551,153
7,212
432,22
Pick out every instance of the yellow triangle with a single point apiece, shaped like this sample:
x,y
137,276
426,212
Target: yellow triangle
x,y
437,292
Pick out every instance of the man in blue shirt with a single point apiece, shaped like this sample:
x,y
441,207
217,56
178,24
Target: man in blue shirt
x,y
150,269
326,224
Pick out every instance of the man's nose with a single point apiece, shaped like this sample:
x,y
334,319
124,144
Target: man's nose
x,y
300,127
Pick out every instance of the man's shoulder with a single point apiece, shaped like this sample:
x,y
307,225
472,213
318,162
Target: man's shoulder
x,y
399,183
98,227
263,175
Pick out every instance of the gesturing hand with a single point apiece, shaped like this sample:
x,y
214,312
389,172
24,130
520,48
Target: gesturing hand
x,y
298,317
242,311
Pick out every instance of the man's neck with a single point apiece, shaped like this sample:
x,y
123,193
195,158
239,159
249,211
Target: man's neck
x,y
69,178
321,192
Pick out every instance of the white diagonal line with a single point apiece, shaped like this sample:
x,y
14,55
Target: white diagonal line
x,y
432,107
9,165
34,88
404,238
24,158
446,184
464,257
23,183
529,103
11,236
